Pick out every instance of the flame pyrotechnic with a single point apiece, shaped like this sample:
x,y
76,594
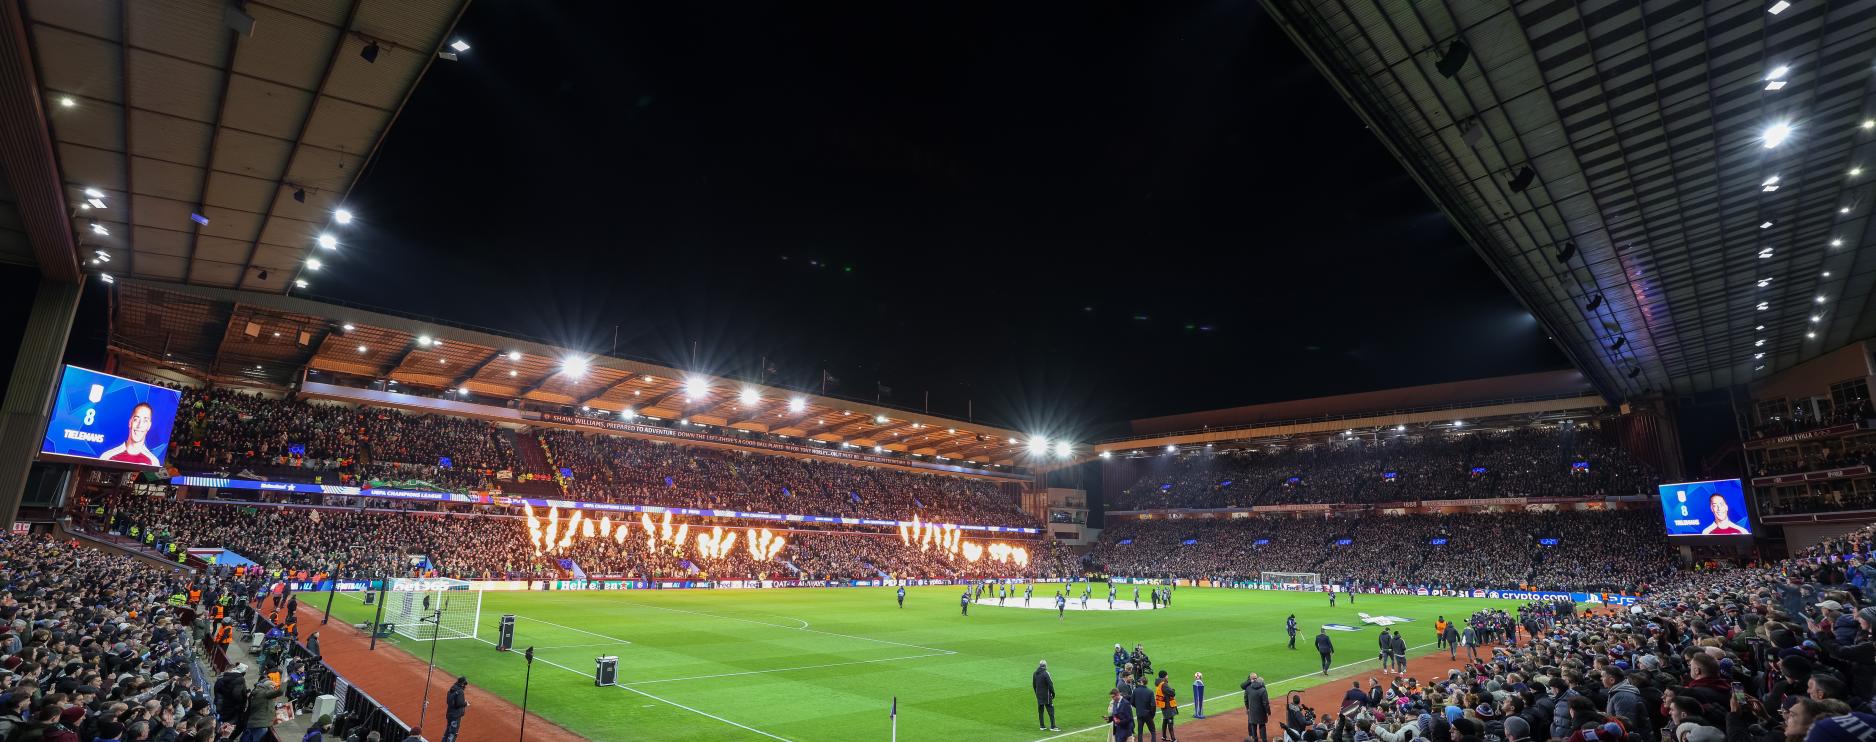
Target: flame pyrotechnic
x,y
553,534
764,545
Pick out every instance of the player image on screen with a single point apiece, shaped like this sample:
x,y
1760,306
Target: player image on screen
x,y
1720,525
133,450
99,417
1716,508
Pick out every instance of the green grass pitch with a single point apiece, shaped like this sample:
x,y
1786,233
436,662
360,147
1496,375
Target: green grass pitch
x,y
824,664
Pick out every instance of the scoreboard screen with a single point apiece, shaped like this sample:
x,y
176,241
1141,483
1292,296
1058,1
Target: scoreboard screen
x,y
110,420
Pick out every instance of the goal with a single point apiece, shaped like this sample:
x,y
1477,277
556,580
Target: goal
x,y
434,608
1302,580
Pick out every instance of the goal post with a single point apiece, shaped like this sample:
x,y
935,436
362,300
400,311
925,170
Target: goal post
x,y
433,608
1302,580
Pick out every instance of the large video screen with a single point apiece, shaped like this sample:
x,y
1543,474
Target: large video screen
x,y
110,419
1716,508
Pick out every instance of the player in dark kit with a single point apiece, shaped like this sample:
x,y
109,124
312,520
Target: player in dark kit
x,y
901,597
964,603
1061,605
1331,597
1290,626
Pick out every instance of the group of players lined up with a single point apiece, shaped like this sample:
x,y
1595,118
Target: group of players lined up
x,y
981,592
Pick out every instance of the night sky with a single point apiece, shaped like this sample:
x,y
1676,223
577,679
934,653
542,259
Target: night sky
x,y
1071,214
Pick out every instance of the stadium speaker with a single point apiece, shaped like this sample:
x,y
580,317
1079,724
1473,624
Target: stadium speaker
x,y
1619,342
1522,179
1594,301
369,53
299,194
1454,59
505,638
1634,372
605,671
1568,251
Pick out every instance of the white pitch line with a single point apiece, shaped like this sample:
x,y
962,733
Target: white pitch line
x,y
791,669
791,628
575,646
668,702
570,628
1240,691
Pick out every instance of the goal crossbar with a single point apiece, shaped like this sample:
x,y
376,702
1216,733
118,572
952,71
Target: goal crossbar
x,y
1290,578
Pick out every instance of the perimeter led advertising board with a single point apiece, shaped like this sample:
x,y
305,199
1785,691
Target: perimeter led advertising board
x,y
1716,508
110,419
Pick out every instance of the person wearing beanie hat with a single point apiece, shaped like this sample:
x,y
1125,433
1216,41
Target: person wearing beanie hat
x,y
1517,729
1694,732
1467,728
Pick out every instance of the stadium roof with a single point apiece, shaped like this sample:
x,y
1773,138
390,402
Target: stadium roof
x,y
166,110
268,339
1551,385
1703,234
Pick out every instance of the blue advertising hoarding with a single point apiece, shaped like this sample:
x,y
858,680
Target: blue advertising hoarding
x,y
110,420
1715,508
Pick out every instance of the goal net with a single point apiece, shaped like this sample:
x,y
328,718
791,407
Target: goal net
x,y
434,608
1293,580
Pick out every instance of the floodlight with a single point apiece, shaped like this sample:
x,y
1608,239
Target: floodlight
x,y
313,264
423,341
1038,445
1778,7
106,277
460,46
797,404
574,366
749,396
361,349
696,387
342,216
326,240
514,355
67,102
1776,134
1062,449
299,283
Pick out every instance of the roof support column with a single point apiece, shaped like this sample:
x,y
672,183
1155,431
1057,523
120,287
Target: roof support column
x,y
29,389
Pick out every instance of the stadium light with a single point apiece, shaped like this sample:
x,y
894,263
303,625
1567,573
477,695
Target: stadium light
x,y
65,101
1038,445
574,366
585,408
1172,448
1459,423
299,283
1107,454
879,419
749,396
797,404
326,240
1778,7
362,348
350,327
1776,134
1810,335
460,46
313,264
696,387
1820,299
1062,449
1400,428
423,341
100,229
106,277
513,373
514,355
628,413
342,216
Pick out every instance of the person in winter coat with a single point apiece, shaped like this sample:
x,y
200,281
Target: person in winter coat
x,y
1560,695
1324,647
1295,719
260,721
1120,714
458,704
231,695
1143,709
312,644
1624,701
1044,685
1257,707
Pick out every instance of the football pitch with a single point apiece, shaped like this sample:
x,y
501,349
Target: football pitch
x,y
825,664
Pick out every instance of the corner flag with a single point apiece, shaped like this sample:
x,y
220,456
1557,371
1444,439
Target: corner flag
x,y
895,717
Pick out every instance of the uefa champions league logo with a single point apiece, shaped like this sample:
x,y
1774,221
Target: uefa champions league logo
x,y
97,393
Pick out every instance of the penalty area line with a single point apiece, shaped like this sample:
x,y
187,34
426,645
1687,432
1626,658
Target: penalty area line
x,y
1240,691
668,701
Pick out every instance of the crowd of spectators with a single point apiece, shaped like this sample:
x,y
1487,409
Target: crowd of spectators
x,y
348,543
1547,461
92,648
1829,454
611,468
1593,549
1780,653
231,431
239,433
1799,420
